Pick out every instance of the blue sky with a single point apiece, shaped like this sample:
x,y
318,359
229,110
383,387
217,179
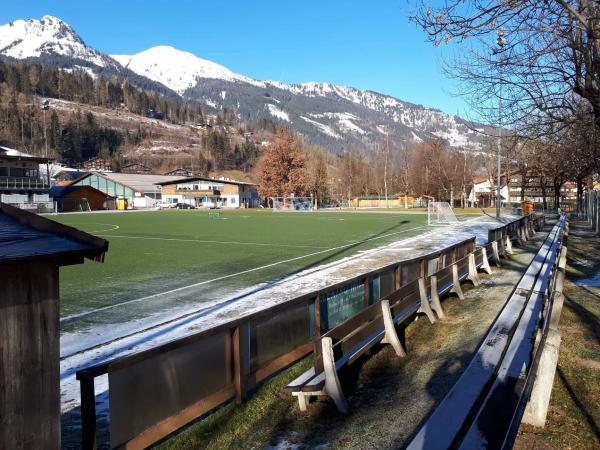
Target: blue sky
x,y
369,45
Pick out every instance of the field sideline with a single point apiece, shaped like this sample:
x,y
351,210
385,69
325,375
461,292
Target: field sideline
x,y
163,259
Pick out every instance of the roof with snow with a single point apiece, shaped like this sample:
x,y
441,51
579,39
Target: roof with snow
x,y
11,153
222,180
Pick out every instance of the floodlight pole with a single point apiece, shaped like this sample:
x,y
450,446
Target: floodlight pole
x,y
501,42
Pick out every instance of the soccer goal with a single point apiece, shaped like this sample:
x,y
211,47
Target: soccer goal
x,y
292,203
440,213
73,205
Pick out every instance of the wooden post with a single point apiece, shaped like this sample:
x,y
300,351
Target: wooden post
x,y
508,245
473,276
398,276
537,407
240,362
367,291
425,307
391,337
496,254
317,307
332,382
486,263
435,298
456,289
88,412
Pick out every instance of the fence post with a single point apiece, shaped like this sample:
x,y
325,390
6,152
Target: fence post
x,y
240,362
88,411
317,310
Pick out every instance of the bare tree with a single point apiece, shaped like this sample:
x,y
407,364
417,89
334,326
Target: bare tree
x,y
549,68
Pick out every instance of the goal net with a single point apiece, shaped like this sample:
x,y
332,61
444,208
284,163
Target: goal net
x,y
292,203
73,205
440,213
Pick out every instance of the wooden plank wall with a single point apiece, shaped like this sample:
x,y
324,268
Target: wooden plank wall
x,y
29,356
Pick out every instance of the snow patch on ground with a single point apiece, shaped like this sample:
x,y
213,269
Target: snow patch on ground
x,y
277,112
324,128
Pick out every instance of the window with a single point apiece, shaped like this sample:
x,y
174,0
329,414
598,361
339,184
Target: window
x,y
17,172
3,171
233,201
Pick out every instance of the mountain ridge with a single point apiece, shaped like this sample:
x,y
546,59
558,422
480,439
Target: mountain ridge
x,y
335,116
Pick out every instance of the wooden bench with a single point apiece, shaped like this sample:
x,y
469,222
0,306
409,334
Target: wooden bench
x,y
344,344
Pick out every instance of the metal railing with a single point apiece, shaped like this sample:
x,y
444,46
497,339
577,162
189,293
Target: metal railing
x,y
175,383
23,183
591,210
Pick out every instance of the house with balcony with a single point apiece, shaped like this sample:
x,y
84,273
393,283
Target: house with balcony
x,y
20,180
210,192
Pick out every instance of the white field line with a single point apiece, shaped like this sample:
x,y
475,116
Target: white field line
x,y
232,275
201,241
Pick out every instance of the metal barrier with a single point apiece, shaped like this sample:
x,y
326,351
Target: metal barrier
x,y
175,383
484,408
591,209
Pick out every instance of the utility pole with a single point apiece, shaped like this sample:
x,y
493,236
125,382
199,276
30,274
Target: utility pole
x,y
45,106
501,42
387,152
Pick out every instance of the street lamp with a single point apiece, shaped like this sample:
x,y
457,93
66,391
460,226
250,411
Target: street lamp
x,y
501,41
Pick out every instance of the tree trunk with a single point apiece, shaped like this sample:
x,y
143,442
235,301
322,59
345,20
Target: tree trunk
x,y
543,188
579,195
557,185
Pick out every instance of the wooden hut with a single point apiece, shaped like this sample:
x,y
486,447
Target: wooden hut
x,y
32,248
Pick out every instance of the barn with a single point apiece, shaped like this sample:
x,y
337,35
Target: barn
x,y
79,198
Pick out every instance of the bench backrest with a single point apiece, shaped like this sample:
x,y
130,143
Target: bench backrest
x,y
352,332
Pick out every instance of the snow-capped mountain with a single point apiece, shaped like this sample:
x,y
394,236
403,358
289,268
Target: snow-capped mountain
x,y
334,116
33,38
327,114
176,69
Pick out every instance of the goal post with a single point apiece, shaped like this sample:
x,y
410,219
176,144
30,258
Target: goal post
x,y
282,204
440,213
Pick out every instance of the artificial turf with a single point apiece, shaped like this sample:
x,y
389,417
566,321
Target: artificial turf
x,y
157,251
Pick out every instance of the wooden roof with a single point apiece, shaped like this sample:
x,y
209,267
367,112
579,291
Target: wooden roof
x,y
27,236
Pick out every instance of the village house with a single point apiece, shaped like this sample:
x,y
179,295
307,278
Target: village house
x,y
210,192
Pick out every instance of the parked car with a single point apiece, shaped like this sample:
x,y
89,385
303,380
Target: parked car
x,y
167,205
184,206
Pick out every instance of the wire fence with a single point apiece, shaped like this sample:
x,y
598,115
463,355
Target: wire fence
x,y
591,210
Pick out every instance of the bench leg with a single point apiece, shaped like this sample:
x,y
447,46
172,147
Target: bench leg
x,y
508,245
332,382
496,254
523,234
425,307
473,276
456,289
486,262
391,337
435,298
302,400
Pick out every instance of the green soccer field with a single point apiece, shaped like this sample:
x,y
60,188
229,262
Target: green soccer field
x,y
157,252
